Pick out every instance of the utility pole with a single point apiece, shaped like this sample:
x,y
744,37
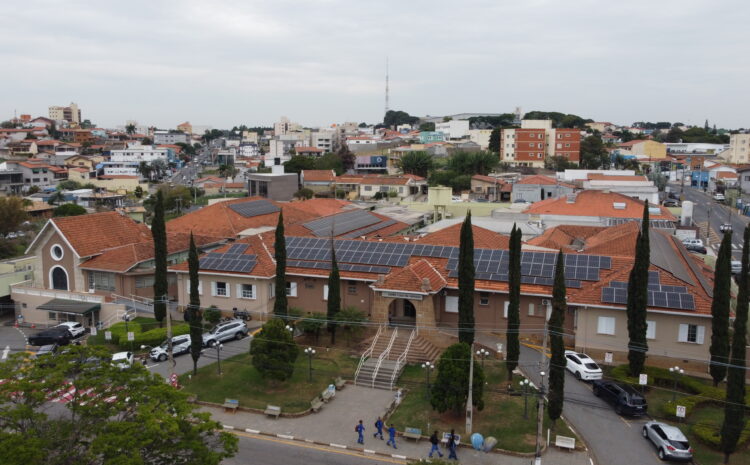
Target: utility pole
x,y
169,341
540,412
469,400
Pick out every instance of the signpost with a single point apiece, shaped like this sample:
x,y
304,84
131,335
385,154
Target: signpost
x,y
608,357
108,335
680,413
643,379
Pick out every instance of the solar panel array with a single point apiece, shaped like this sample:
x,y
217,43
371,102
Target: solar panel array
x,y
254,208
342,223
659,295
368,230
233,259
342,266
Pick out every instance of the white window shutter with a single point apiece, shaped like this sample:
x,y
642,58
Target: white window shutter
x,y
682,336
255,291
293,289
451,304
531,309
238,287
213,288
549,311
600,325
701,334
325,292
650,330
200,287
505,309
229,290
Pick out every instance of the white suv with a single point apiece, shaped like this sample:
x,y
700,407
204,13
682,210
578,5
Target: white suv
x,y
696,242
180,345
75,329
232,329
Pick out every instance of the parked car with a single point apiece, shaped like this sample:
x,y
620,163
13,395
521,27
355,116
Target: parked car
x,y
673,195
669,441
692,242
625,399
232,329
76,329
696,248
55,335
46,350
123,359
481,200
671,203
582,366
725,227
719,197
180,345
736,266
520,201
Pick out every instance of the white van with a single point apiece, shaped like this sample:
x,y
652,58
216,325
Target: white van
x,y
697,242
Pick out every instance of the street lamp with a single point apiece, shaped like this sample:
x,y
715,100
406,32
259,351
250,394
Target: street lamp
x,y
525,388
676,372
289,328
428,366
310,352
218,356
539,421
483,353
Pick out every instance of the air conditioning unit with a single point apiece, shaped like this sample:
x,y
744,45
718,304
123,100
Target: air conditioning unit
x,y
546,302
91,291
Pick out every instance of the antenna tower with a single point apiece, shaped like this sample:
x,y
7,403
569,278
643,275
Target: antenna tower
x,y
387,105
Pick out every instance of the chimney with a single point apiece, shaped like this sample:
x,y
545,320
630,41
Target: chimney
x,y
426,284
381,280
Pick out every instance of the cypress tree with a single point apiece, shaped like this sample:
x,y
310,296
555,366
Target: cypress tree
x,y
720,311
193,314
734,407
556,328
638,299
466,283
513,348
159,233
280,305
334,295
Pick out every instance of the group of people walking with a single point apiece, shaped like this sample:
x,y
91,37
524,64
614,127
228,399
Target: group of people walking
x,y
434,439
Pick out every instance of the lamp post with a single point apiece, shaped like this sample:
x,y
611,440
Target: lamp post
x,y
428,366
676,372
484,353
525,388
126,318
540,419
310,352
218,356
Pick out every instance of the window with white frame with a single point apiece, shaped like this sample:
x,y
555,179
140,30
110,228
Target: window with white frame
x,y
505,309
531,309
451,304
271,290
221,289
693,334
101,281
325,291
650,329
484,298
291,289
246,291
606,325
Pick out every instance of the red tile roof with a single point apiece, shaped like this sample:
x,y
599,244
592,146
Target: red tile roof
x,y
606,177
597,203
420,276
538,179
490,179
483,238
319,175
91,234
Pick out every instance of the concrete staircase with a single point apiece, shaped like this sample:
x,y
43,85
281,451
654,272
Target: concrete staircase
x,y
421,349
382,379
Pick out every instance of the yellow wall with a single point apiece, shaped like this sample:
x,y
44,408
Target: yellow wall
x,y
651,149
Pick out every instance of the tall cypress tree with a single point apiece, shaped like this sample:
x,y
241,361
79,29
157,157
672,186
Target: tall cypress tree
x,y
734,408
556,328
193,314
638,299
514,302
334,295
720,311
466,283
280,305
159,233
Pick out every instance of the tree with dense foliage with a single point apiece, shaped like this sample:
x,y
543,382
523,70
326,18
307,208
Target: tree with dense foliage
x,y
68,209
159,234
68,185
299,163
130,129
593,153
513,349
280,304
495,142
559,163
351,321
559,120
193,313
312,323
144,168
138,192
12,214
227,171
734,407
418,162
556,330
471,163
720,311
638,299
428,127
451,388
347,157
503,120
334,295
274,351
466,283
114,415
330,161
394,118
304,194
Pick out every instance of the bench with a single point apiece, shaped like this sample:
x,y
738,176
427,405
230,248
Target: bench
x,y
413,433
273,411
326,395
564,442
316,404
447,437
340,383
231,404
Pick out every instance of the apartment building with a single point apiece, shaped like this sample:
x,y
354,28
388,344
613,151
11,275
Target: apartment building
x,y
71,113
170,137
453,129
739,149
536,140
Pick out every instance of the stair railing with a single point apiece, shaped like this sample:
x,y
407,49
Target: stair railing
x,y
368,353
402,358
384,356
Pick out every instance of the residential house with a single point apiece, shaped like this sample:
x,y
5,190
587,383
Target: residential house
x,y
648,150
538,187
163,137
225,187
396,186
319,181
490,188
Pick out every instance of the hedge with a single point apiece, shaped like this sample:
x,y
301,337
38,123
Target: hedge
x,y
152,337
711,434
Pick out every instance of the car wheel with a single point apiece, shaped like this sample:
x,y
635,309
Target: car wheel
x,y
644,432
238,336
578,375
211,343
661,454
162,357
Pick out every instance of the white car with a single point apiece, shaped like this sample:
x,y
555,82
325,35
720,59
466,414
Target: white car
x,y
696,242
180,345
76,329
736,267
719,197
124,360
582,366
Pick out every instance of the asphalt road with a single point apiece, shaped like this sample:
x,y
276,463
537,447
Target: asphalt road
x,y
611,439
258,450
11,341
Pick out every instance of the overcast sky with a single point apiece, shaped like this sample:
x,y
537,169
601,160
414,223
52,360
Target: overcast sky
x,y
225,63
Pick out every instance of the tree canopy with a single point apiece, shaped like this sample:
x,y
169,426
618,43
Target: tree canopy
x,y
395,117
419,163
593,153
274,351
12,214
451,388
637,301
559,120
466,283
720,311
68,209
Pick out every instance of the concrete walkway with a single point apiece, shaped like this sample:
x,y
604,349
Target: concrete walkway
x,y
334,426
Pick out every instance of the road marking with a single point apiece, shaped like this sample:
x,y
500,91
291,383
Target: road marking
x,y
320,448
340,446
284,436
734,246
623,420
6,351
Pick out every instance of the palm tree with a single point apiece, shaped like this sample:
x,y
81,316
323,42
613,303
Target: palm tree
x,y
145,169
130,129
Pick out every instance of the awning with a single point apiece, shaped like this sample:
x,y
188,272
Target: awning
x,y
70,307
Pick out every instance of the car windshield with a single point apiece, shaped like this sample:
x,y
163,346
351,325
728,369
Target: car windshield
x,y
591,366
683,445
637,400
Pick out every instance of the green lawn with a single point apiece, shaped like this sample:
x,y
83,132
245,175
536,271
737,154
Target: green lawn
x,y
241,381
501,418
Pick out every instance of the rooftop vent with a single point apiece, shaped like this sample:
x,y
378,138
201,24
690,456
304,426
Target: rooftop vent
x,y
619,205
571,198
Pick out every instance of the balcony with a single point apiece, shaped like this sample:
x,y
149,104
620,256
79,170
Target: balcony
x,y
31,288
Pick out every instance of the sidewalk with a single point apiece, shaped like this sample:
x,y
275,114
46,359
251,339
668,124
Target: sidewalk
x,y
334,426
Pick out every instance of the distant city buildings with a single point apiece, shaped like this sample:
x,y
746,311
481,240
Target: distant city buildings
x,y
70,114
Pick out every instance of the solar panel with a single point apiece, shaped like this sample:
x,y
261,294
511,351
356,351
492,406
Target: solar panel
x,y
238,248
342,223
254,208
369,229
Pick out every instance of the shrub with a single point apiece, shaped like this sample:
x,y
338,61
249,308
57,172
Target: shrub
x,y
212,314
709,434
156,336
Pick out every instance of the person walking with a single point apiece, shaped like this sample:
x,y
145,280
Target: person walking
x,y
452,446
360,429
391,436
435,443
379,426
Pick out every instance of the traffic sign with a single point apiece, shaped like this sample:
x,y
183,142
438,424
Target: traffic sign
x,y
131,336
608,357
108,335
643,379
680,411
94,331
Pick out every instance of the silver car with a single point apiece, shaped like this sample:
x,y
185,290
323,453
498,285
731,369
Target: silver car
x,y
669,441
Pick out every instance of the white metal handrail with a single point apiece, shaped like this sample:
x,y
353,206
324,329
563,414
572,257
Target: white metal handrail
x,y
368,352
383,356
402,358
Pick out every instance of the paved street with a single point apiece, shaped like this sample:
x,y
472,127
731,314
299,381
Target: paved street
x,y
11,339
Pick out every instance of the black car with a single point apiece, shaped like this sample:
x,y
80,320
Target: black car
x,y
58,335
696,248
626,400
671,203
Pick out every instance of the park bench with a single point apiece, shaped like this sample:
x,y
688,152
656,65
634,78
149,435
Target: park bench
x,y
231,404
564,442
447,437
273,411
413,433
326,395
316,404
340,383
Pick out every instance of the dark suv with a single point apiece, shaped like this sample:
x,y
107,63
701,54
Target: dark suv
x,y
57,335
626,400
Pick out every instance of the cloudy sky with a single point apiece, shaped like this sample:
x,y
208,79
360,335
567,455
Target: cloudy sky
x,y
224,63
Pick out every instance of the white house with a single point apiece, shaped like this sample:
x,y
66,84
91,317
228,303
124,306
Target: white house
x,y
454,129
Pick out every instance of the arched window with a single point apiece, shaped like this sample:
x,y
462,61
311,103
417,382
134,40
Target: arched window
x,y
59,278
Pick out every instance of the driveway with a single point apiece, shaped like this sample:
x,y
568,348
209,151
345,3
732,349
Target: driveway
x,y
12,340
